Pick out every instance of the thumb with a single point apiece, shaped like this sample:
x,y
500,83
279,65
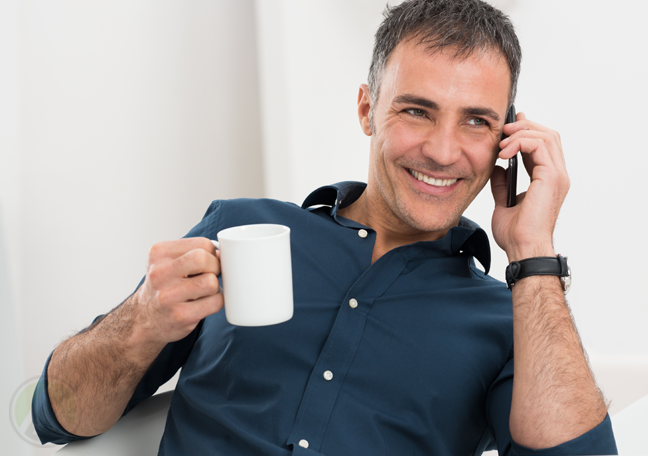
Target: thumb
x,y
498,186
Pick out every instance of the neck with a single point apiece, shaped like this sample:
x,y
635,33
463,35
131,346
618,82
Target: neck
x,y
391,232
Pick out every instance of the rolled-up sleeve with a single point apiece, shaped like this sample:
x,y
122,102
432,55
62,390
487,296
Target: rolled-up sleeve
x,y
45,423
172,358
597,441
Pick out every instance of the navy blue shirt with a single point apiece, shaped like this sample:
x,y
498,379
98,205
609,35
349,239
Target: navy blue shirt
x,y
410,355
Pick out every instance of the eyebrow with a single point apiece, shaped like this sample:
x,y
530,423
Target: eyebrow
x,y
412,99
472,111
486,112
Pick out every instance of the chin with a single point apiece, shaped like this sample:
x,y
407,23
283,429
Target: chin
x,y
431,222
436,227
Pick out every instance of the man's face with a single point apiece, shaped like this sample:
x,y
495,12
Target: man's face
x,y
438,123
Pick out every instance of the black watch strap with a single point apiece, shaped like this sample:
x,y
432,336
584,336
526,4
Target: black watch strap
x,y
556,266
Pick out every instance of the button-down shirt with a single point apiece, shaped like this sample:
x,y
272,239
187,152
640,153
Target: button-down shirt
x,y
412,354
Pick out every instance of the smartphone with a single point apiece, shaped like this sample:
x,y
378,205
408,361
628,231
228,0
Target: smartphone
x,y
511,198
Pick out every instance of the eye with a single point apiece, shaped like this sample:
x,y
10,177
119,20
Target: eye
x,y
416,112
478,122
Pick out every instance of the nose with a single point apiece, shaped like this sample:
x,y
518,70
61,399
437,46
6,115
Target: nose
x,y
442,144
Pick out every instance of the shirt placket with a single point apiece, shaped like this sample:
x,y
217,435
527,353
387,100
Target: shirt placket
x,y
328,375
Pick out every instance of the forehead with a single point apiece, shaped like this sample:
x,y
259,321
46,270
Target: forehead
x,y
483,77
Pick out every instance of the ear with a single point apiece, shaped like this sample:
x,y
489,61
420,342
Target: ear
x,y
364,108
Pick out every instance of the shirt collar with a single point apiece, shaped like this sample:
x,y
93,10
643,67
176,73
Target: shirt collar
x,y
337,195
468,236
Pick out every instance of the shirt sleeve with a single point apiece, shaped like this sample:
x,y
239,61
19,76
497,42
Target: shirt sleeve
x,y
597,441
45,423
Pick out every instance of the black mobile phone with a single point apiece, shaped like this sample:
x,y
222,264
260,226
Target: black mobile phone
x,y
511,198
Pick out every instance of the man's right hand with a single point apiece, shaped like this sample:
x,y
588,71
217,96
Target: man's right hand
x,y
93,375
180,289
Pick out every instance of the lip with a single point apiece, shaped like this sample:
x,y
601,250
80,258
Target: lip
x,y
432,189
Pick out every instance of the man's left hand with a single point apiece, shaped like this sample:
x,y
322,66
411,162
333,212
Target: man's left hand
x,y
526,229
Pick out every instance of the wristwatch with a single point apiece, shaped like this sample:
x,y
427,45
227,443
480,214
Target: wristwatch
x,y
556,266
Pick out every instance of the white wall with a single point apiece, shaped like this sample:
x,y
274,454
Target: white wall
x,y
11,353
314,56
120,121
131,117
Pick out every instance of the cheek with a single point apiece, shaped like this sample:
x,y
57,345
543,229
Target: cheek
x,y
484,161
398,141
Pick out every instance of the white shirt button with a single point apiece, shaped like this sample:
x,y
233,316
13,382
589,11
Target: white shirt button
x,y
328,376
303,443
363,233
353,303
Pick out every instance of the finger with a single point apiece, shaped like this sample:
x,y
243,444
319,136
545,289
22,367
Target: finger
x,y
536,148
498,182
189,289
541,168
519,198
195,262
533,153
549,154
550,159
532,134
167,274
177,248
190,313
551,139
525,124
203,307
527,161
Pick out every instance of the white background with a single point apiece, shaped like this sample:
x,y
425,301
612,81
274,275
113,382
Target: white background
x,y
120,121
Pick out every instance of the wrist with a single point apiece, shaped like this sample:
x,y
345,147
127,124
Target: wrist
x,y
539,266
139,339
530,251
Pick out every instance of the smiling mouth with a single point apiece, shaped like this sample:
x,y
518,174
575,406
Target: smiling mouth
x,y
431,181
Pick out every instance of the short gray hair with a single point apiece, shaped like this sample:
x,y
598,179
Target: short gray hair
x,y
465,26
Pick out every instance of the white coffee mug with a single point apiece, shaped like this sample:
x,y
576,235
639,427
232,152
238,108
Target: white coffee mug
x,y
256,269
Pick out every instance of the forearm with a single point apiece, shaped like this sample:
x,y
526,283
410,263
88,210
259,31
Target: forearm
x,y
92,376
555,397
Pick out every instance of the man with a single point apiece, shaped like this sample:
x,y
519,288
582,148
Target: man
x,y
399,344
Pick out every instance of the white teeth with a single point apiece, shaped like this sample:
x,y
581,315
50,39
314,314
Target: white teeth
x,y
432,181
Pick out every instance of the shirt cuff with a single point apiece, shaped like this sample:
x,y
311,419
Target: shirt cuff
x,y
45,423
598,441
